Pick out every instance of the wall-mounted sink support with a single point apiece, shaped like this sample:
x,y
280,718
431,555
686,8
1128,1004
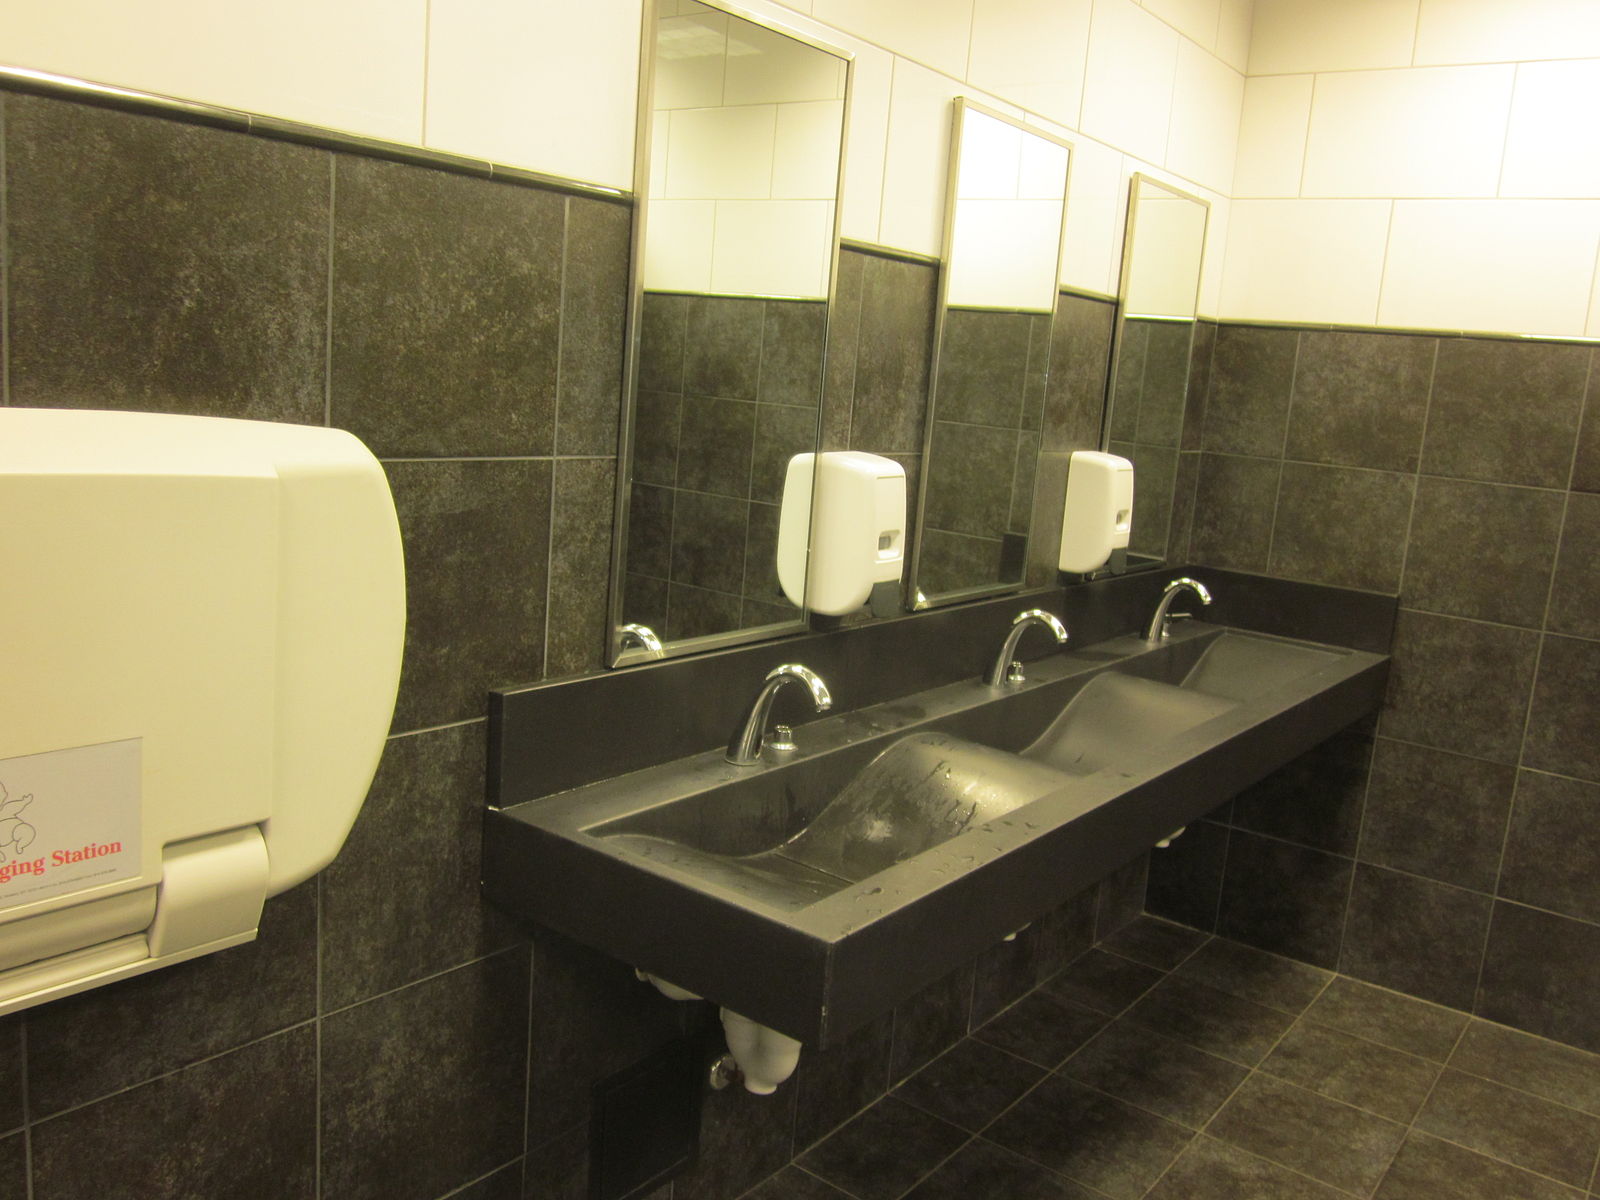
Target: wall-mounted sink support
x,y
813,894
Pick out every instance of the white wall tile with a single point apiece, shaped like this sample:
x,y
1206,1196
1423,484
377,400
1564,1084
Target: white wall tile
x,y
1127,94
1272,135
1593,328
806,157
866,143
1032,52
765,67
772,247
1553,144
933,32
917,162
1097,201
1434,131
1507,266
1291,37
1203,139
678,239
691,60
1233,33
356,65
721,153
1197,20
1475,31
484,99
1211,267
1304,260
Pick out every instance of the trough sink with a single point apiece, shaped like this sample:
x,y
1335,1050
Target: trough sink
x,y
813,894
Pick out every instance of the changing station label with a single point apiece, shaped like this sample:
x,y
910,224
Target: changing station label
x,y
69,820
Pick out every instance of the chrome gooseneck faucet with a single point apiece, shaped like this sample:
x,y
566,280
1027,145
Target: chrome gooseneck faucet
x,y
1006,668
1157,629
744,748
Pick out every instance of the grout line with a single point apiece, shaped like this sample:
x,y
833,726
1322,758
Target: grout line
x,y
527,1062
472,1183
427,47
316,1137
1505,137
1305,144
1433,1087
438,728
1283,450
1383,269
1416,34
327,340
27,1109
549,577
1361,830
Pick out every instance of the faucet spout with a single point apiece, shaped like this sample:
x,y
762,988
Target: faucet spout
x,y
1157,629
744,748
1005,669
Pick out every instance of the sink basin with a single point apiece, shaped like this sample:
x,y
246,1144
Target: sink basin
x,y
921,791
901,840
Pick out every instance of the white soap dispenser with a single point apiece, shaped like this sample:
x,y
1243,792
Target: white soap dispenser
x,y
841,532
1098,515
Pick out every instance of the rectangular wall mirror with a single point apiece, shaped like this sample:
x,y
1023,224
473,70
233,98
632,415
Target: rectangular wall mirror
x,y
741,139
1149,380
1005,209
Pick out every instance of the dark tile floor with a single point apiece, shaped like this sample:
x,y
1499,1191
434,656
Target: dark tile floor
x,y
1169,1064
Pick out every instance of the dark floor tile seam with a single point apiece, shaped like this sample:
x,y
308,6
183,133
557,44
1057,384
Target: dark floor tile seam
x,y
1258,1158
1411,1125
1482,1153
1521,1091
472,1183
523,947
32,1122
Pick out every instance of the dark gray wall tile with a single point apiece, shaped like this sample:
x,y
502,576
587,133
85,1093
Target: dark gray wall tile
x,y
1004,973
650,517
1202,353
1234,502
1541,972
1361,399
440,1065
983,363
1505,411
14,1165
656,432
1120,896
1459,685
1316,800
1156,469
782,432
844,340
1341,526
722,347
1414,935
11,1074
932,1021
1436,814
1186,878
580,565
743,1139
1080,353
477,539
237,1127
969,479
1577,581
1586,470
1127,383
792,341
716,445
1482,550
1252,373
708,541
1552,856
376,935
104,1040
1044,530
1183,507
1065,932
696,612
896,337
835,1084
663,330
1566,702
446,310
594,301
590,1019
1166,378
163,267
1284,898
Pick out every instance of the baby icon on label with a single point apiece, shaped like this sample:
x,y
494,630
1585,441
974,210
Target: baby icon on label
x,y
16,835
